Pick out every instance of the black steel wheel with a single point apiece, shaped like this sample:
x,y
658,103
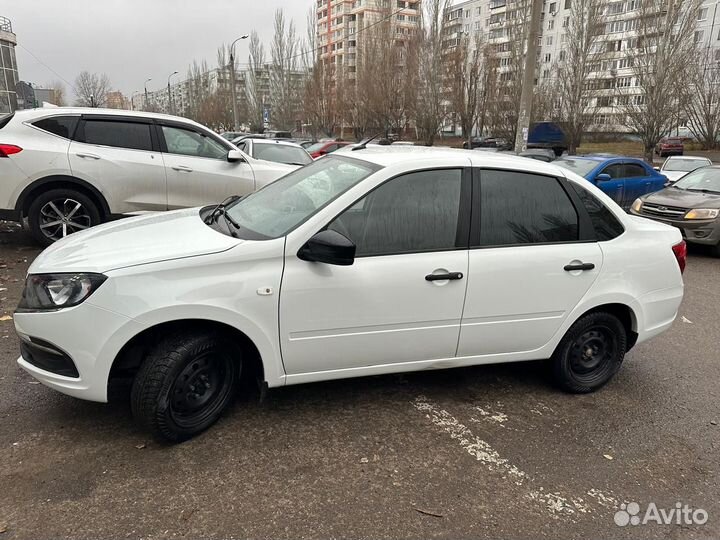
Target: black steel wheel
x,y
590,353
185,384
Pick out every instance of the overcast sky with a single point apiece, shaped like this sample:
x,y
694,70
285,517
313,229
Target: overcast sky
x,y
132,40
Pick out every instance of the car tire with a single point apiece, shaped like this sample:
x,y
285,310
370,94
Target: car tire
x,y
185,384
59,212
590,353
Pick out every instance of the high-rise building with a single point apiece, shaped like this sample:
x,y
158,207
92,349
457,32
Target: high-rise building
x,y
492,22
8,67
116,100
341,25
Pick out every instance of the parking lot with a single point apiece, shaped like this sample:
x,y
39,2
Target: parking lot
x,y
483,452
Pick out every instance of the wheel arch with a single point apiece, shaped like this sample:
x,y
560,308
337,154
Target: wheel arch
x,y
625,313
131,355
47,183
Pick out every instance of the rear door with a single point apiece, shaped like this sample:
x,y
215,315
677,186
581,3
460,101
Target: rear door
x,y
639,180
120,156
528,244
198,172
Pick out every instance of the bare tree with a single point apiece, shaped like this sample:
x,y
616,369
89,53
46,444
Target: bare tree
x,y
464,78
702,106
57,96
581,52
284,81
91,89
429,110
659,57
253,83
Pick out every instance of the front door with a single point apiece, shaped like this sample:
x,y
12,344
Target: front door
x,y
401,300
121,157
198,171
524,276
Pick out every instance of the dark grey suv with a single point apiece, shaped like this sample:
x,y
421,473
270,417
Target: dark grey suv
x,y
691,204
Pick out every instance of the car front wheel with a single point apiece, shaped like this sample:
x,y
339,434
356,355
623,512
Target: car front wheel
x,y
185,384
590,353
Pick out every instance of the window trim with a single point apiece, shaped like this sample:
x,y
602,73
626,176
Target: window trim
x,y
586,230
181,125
462,231
79,134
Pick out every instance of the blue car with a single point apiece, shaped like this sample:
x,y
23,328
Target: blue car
x,y
624,179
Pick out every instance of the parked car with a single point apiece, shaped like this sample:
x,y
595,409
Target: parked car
x,y
276,150
67,169
230,135
361,263
547,155
244,136
277,135
691,204
675,167
670,146
547,135
325,147
487,142
305,143
624,179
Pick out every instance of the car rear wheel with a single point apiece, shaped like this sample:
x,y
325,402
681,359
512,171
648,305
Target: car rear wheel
x,y
590,353
59,212
185,384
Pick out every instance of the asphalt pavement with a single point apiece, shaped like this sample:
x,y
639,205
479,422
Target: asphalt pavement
x,y
483,452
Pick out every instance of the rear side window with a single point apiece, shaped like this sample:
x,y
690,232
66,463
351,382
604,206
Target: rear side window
x,y
605,223
132,135
521,208
633,170
62,126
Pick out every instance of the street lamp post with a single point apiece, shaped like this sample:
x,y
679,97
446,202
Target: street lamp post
x,y
232,82
146,93
170,107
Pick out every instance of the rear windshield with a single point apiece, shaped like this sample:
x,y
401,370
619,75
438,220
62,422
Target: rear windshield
x,y
292,155
5,118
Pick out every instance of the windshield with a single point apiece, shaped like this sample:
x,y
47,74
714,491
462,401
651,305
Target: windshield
x,y
580,166
701,179
286,203
281,153
684,164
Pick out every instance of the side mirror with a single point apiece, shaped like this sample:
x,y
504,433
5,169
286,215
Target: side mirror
x,y
656,168
604,177
329,247
235,155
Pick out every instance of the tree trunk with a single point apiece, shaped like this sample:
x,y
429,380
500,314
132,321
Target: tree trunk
x,y
649,150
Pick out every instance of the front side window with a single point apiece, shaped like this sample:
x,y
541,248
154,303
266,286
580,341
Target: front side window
x,y
614,171
188,142
521,208
416,212
62,126
120,134
604,222
282,205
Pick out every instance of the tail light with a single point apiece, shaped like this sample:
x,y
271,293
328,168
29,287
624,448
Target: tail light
x,y
680,252
8,150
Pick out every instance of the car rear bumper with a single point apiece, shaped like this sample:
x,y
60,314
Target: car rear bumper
x,y
705,232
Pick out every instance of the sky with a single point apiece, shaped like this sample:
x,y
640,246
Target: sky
x,y
133,40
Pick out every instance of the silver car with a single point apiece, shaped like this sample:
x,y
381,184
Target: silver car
x,y
67,169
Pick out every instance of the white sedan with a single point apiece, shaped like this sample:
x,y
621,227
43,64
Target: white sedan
x,y
675,167
369,261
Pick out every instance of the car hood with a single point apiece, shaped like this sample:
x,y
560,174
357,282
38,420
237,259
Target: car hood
x,y
133,241
673,176
684,199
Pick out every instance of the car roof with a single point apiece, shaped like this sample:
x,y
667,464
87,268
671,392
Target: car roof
x,y
385,155
29,114
280,142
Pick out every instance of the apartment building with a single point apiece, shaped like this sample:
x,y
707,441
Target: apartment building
x,y
341,25
491,20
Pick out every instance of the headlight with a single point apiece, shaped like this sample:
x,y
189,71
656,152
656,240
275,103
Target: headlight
x,y
702,213
637,205
44,292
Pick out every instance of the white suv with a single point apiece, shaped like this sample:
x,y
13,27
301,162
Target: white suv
x,y
365,262
68,169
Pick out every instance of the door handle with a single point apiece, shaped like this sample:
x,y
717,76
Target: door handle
x,y
181,168
579,266
442,277
87,156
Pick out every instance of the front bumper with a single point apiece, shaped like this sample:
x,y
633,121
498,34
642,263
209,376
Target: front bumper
x,y
701,231
90,336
